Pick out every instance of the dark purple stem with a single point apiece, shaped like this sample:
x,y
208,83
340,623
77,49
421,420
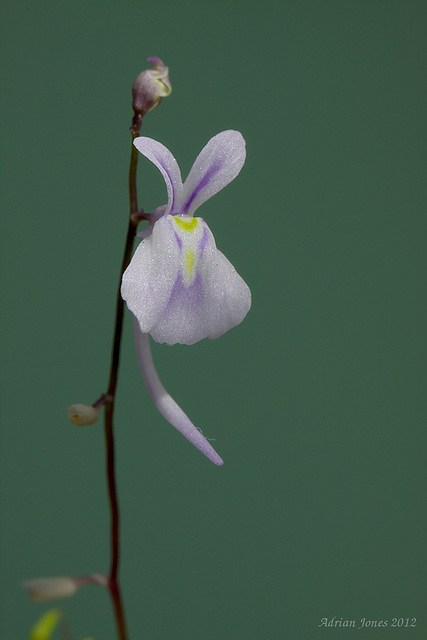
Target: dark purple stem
x,y
113,580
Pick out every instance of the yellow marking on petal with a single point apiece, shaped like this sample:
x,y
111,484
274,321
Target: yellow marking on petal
x,y
189,259
45,626
187,226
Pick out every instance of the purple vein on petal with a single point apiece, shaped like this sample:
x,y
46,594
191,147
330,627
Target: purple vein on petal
x,y
190,296
210,173
204,241
172,187
178,239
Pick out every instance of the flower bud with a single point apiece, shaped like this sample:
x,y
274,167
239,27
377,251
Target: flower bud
x,y
82,414
150,87
46,589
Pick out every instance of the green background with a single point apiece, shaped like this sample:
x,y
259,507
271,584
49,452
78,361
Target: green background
x,y
316,402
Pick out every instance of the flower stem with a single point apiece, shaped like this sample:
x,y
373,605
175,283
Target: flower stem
x,y
113,581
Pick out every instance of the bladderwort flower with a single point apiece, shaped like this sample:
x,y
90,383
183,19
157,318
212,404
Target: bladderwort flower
x,y
178,285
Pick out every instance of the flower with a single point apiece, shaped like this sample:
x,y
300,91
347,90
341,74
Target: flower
x,y
178,285
150,87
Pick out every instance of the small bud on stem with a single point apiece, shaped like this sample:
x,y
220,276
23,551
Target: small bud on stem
x,y
150,87
82,414
46,589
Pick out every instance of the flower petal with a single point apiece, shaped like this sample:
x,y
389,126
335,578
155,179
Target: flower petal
x,y
164,402
228,297
167,165
180,287
216,165
148,281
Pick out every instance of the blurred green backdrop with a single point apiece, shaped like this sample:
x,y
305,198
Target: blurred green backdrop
x,y
316,402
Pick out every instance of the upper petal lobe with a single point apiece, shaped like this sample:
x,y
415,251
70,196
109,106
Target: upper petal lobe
x,y
167,165
219,162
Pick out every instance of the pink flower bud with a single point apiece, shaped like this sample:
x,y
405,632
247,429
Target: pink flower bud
x,y
150,87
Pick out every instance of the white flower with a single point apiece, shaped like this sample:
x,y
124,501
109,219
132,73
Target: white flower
x,y
178,285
